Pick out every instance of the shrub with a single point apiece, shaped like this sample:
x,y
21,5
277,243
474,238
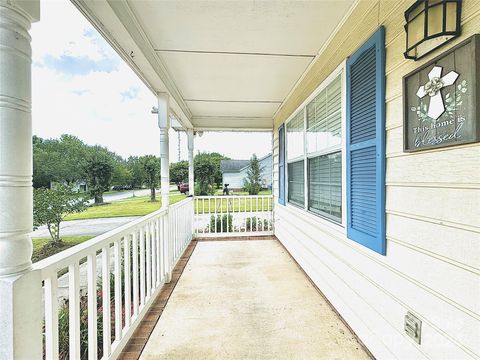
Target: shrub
x,y
216,223
255,224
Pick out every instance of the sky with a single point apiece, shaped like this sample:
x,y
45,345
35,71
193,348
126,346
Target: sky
x,y
82,87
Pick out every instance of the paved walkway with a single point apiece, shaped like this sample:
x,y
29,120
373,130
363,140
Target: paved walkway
x,y
90,227
248,300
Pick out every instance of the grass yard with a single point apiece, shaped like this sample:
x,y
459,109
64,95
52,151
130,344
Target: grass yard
x,y
137,206
40,251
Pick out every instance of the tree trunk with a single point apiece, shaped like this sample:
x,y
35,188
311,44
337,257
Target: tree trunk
x,y
152,194
99,199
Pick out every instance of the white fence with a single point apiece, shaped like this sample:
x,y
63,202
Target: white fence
x,y
217,216
112,280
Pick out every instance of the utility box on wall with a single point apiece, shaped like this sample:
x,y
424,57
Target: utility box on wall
x,y
441,99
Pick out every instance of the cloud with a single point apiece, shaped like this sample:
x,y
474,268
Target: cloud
x,y
80,86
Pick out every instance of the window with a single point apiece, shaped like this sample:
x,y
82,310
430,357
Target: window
x,y
296,183
281,164
324,148
295,157
315,152
325,185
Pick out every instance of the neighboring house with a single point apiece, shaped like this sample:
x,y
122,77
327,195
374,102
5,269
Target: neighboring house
x,y
79,186
234,172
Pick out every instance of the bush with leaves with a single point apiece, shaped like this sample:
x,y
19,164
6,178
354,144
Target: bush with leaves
x,y
257,224
51,206
216,222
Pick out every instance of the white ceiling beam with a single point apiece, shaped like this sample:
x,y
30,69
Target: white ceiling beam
x,y
232,123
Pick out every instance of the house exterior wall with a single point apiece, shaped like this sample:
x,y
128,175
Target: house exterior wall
x,y
234,179
432,264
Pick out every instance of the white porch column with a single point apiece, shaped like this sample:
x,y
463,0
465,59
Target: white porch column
x,y
20,288
164,125
191,178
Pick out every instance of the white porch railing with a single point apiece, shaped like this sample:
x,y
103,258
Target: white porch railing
x,y
217,216
112,280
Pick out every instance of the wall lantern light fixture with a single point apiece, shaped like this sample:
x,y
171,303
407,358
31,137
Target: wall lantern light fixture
x,y
431,24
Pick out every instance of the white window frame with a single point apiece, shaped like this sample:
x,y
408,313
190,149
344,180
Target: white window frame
x,y
340,70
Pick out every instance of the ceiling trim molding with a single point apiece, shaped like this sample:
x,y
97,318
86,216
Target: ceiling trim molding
x,y
127,17
233,53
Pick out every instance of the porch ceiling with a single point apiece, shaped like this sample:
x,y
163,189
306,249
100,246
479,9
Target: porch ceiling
x,y
227,64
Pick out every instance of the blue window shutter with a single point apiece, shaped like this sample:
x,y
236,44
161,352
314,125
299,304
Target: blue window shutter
x,y
281,164
365,137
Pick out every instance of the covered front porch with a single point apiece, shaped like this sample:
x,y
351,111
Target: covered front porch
x,y
241,298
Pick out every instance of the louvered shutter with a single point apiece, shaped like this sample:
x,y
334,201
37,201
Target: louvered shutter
x,y
365,140
281,164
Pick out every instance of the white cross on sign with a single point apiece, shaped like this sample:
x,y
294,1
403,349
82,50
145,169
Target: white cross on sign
x,y
432,88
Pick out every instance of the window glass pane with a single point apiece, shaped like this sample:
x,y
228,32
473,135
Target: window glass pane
x,y
324,118
325,185
296,184
295,130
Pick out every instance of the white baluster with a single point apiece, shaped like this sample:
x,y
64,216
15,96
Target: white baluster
x,y
127,285
142,267
74,311
92,305
117,259
106,301
135,273
51,317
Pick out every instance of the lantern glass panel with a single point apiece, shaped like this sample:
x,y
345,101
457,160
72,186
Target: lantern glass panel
x,y
416,30
435,20
451,16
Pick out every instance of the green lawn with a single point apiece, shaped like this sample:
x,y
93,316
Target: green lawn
x,y
137,206
41,252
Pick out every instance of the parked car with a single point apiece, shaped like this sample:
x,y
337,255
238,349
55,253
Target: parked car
x,y
183,188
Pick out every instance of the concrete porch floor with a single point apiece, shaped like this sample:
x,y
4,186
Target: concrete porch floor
x,y
248,300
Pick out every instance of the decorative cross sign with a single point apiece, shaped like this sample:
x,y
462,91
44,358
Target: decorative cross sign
x,y
432,88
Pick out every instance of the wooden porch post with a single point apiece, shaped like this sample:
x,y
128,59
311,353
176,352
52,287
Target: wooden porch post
x,y
20,288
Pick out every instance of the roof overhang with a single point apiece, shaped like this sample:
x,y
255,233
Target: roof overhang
x,y
227,65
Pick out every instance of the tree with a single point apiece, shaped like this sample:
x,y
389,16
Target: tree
x,y
99,171
135,166
58,160
179,172
205,175
151,165
51,206
122,175
214,159
253,182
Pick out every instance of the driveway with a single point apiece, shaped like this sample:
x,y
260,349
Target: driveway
x,y
91,227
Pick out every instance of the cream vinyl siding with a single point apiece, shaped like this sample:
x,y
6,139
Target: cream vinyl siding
x,y
432,266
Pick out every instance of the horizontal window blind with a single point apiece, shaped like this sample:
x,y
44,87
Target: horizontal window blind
x,y
296,183
324,118
325,185
295,140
